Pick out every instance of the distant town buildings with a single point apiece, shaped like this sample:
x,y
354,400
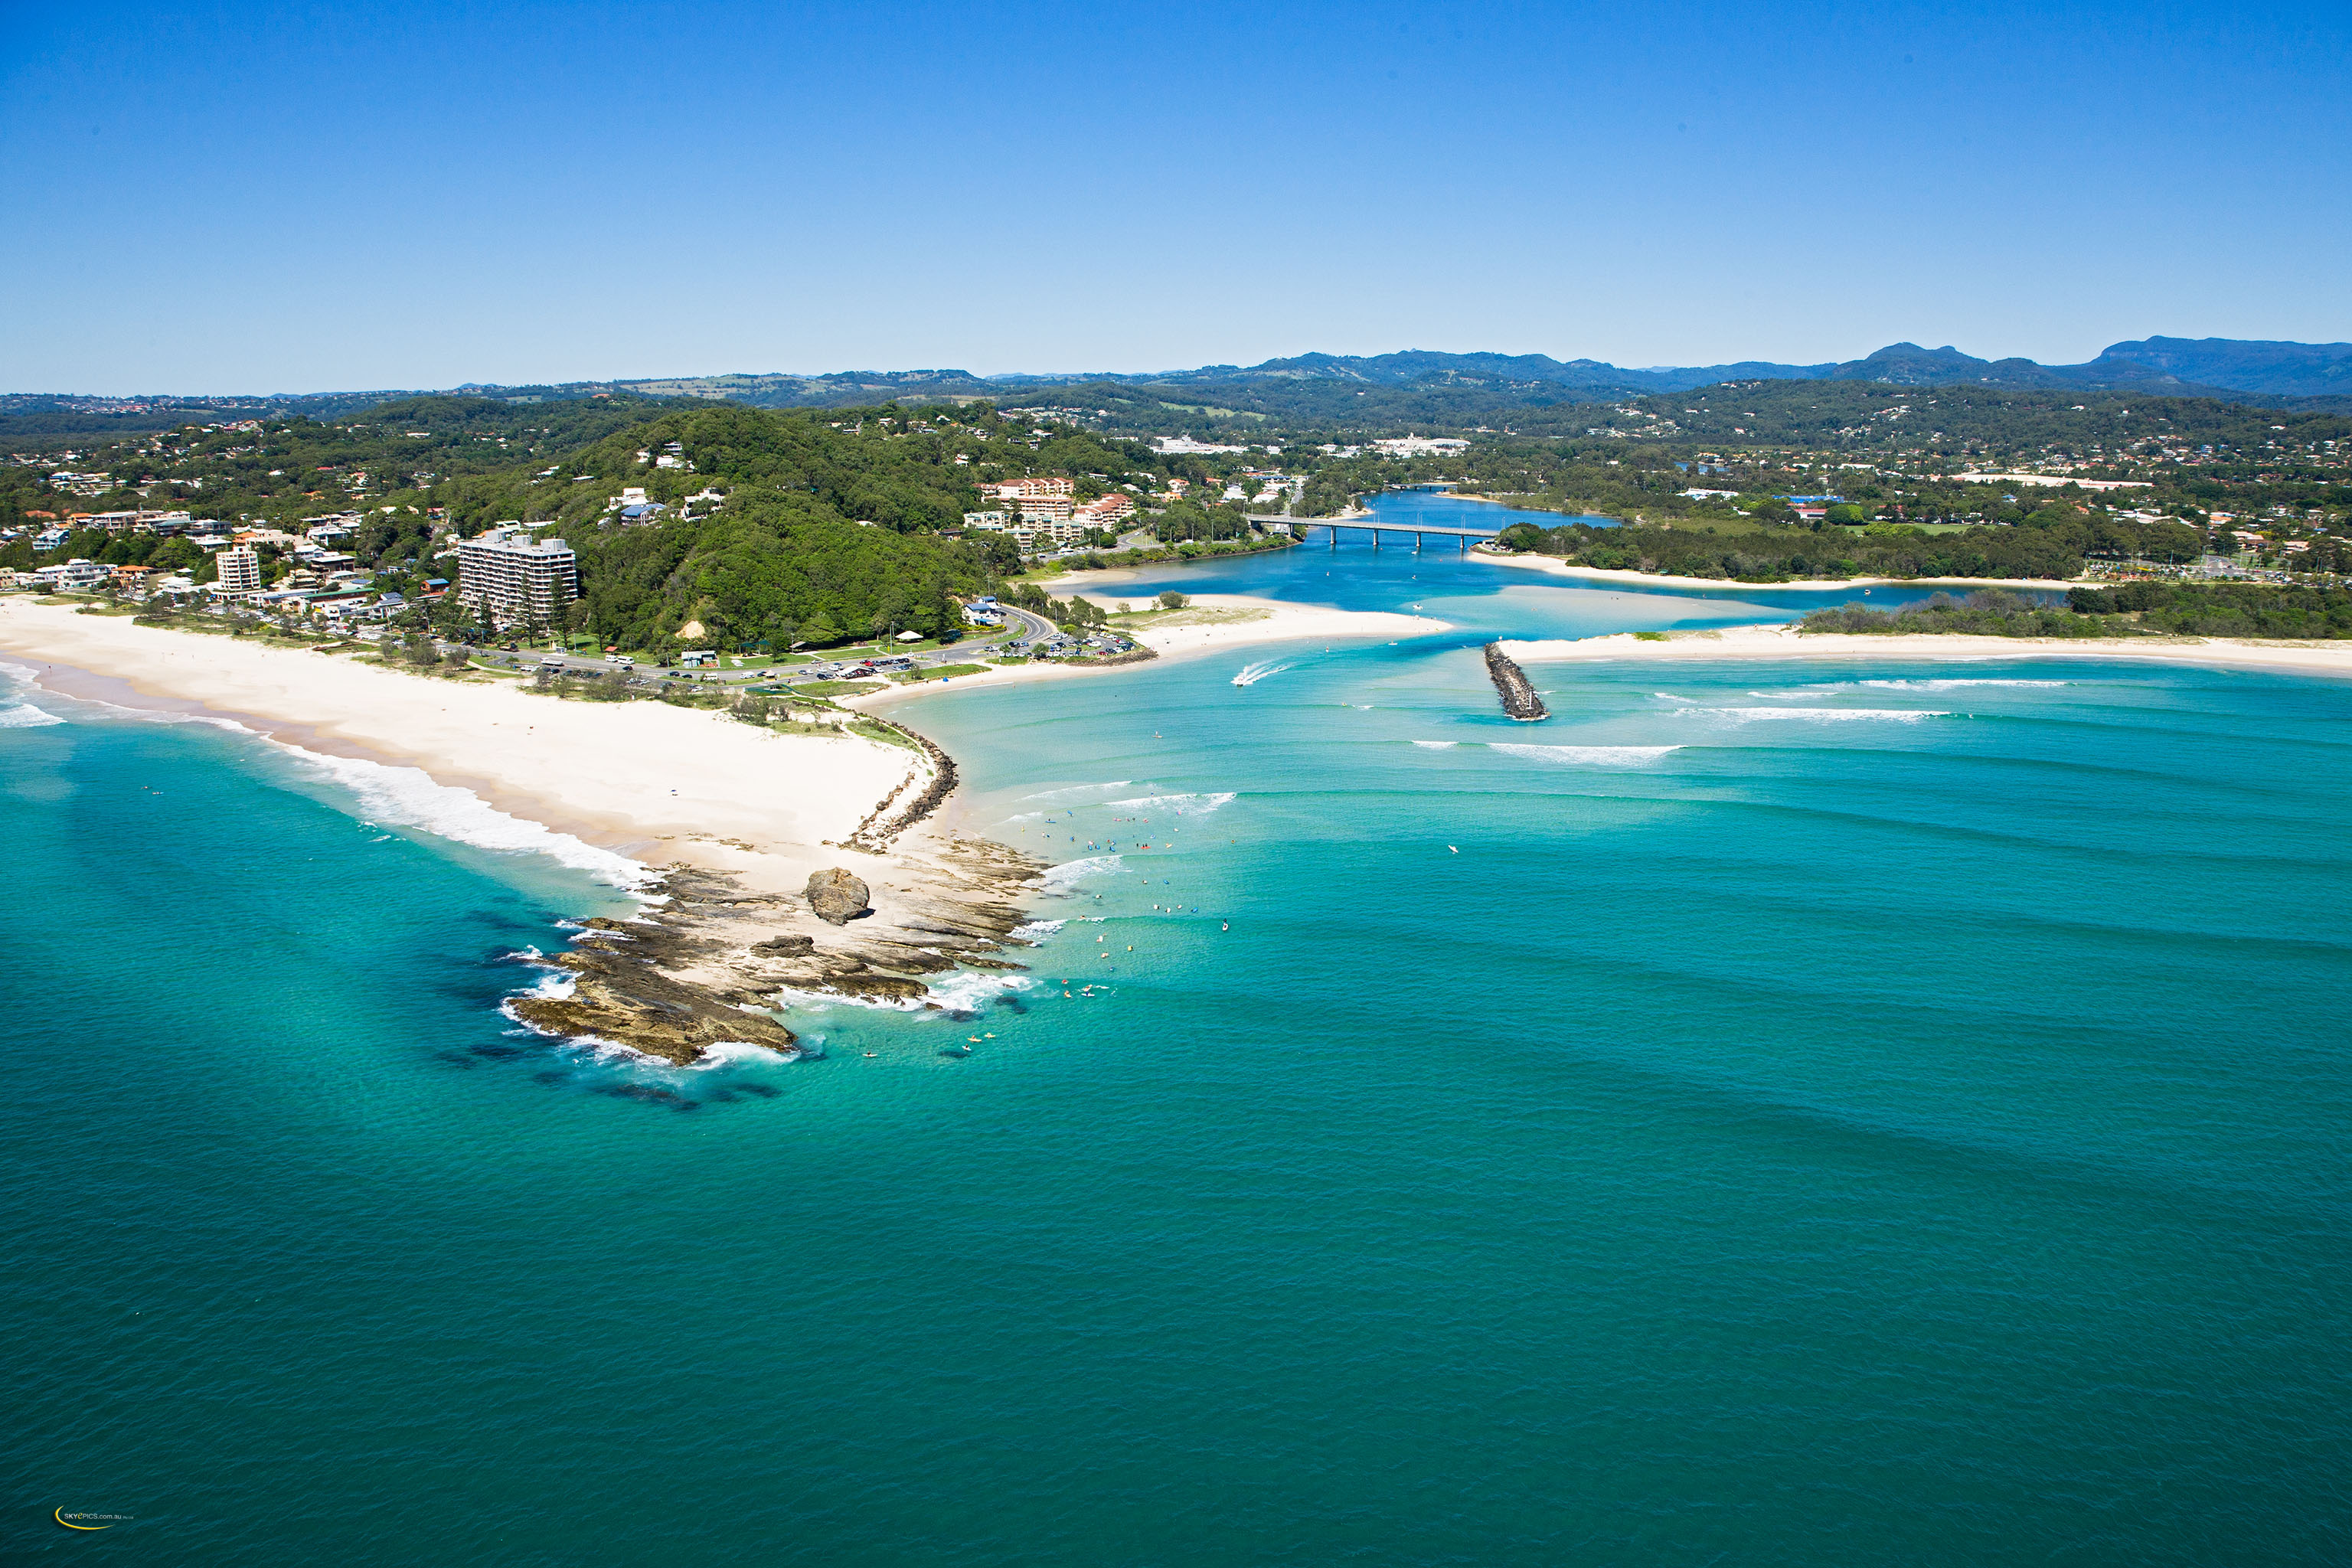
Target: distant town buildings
x,y
1172,446
1421,446
515,579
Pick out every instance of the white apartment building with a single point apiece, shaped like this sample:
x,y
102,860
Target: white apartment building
x,y
1421,446
518,580
240,570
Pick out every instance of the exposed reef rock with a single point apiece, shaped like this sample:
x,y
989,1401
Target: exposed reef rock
x,y
623,998
837,897
707,966
1518,694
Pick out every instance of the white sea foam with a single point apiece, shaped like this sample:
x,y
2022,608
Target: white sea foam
x,y
972,989
1251,674
1585,756
1670,697
24,716
1938,683
1035,931
1077,790
1062,877
1814,715
1181,804
1437,745
1953,684
961,991
738,1053
407,797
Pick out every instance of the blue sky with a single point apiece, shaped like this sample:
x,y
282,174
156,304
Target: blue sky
x,y
305,197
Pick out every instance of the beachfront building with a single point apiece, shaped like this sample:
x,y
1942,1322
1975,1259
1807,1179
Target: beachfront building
x,y
518,580
240,570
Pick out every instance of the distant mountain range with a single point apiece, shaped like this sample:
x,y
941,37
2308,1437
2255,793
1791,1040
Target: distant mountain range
x,y
1417,386
2179,367
2174,367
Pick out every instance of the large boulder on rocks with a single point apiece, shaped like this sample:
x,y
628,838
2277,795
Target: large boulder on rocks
x,y
836,895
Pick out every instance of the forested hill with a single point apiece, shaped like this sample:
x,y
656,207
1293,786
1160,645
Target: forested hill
x,y
765,527
785,527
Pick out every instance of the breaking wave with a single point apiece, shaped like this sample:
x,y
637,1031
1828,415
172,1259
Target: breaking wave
x,y
1953,684
1437,745
24,716
1181,804
1035,931
1814,715
963,991
407,797
1062,877
1251,674
1585,756
1077,789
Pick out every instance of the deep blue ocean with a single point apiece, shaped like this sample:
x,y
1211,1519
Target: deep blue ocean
x,y
1812,1113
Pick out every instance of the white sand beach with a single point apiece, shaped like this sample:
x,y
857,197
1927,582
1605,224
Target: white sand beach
x,y
650,781
1210,623
1784,642
1852,585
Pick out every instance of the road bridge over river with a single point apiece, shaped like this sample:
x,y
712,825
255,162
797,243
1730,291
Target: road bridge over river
x,y
1332,525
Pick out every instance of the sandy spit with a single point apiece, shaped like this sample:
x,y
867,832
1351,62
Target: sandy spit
x,y
1559,568
1269,620
1784,642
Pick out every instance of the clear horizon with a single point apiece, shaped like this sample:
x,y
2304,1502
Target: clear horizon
x,y
218,202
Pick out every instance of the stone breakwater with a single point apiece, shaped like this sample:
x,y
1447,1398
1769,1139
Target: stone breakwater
x,y
881,825
1518,694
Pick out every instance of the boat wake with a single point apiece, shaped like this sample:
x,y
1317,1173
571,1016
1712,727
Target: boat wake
x,y
1251,674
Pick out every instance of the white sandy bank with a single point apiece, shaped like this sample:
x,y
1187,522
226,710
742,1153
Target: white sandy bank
x,y
1227,620
1784,642
620,774
1853,585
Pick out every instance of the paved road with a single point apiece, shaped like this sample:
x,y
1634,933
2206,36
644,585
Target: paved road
x,y
1019,624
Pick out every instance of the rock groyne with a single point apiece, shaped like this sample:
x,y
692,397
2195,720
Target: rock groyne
x,y
1519,699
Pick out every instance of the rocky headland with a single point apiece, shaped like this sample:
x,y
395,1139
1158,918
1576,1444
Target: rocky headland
x,y
708,965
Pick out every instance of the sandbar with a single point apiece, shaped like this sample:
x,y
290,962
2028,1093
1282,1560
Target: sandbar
x,y
1559,568
1224,620
1785,642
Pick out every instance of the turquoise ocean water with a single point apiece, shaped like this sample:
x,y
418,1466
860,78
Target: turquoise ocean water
x,y
1790,1113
